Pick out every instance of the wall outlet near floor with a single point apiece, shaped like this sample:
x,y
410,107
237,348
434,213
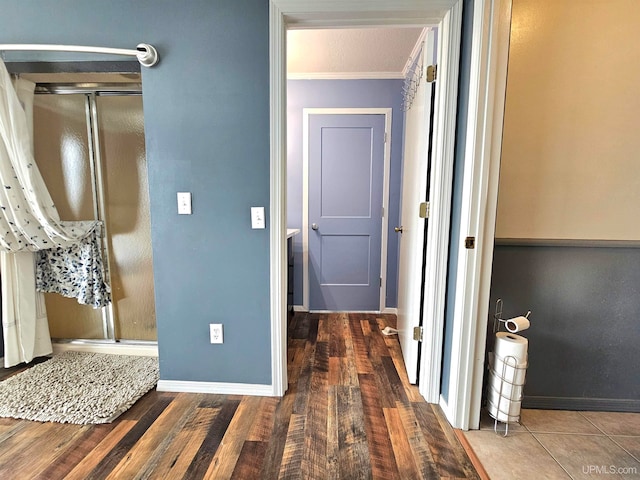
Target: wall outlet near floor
x,y
215,333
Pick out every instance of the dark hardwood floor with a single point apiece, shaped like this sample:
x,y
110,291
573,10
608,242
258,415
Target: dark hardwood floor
x,y
349,413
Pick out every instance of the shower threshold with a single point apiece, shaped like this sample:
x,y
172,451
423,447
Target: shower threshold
x,y
143,348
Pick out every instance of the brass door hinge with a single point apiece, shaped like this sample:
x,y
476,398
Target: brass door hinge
x,y
417,334
432,73
425,210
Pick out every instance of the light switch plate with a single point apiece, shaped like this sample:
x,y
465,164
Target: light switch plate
x,y
184,203
257,217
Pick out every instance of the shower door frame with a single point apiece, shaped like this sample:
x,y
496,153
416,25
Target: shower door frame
x,y
91,91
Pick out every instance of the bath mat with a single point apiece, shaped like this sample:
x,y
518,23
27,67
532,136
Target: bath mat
x,y
78,387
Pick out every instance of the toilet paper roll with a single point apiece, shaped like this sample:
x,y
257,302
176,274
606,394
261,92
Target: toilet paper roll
x,y
508,371
511,345
517,324
505,389
503,409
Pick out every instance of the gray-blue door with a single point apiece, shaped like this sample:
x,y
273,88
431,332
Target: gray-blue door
x,y
346,169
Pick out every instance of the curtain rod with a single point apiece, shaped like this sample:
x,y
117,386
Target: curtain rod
x,y
145,53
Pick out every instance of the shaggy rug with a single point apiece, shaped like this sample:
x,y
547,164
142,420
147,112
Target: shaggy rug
x,y
77,387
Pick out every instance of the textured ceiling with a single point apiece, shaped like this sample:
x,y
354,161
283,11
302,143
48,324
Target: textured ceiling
x,y
381,52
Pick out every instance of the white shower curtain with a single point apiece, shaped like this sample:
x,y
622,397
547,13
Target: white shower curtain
x,y
24,319
29,222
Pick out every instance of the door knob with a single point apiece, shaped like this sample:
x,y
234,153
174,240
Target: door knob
x,y
398,229
314,226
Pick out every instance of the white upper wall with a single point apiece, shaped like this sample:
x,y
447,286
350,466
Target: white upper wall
x,y
571,148
376,52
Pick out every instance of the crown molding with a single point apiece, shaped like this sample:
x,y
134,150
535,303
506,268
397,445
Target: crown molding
x,y
415,52
346,76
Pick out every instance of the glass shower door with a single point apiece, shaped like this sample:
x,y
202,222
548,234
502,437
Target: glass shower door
x,y
61,148
90,150
126,192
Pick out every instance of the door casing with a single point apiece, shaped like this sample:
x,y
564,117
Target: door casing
x,y
446,14
488,79
306,113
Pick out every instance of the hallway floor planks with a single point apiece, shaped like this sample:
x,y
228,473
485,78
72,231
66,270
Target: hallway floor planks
x,y
349,413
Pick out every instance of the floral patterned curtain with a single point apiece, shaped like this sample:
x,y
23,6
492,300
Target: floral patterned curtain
x,y
74,272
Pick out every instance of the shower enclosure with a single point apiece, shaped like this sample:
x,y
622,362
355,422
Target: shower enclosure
x,y
89,147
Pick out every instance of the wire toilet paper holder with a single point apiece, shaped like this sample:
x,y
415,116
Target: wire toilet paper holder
x,y
508,363
498,321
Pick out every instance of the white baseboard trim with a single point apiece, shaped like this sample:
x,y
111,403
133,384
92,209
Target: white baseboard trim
x,y
300,308
113,349
582,404
255,390
368,312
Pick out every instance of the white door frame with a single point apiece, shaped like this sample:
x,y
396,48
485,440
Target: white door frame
x,y
306,112
333,13
437,257
483,144
488,78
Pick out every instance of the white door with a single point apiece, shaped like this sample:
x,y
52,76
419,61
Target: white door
x,y
412,235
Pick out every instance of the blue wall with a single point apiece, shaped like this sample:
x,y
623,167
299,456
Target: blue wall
x,y
206,107
341,94
584,334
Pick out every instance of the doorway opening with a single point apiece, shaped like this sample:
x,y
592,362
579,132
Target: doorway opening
x,y
297,15
346,75
408,99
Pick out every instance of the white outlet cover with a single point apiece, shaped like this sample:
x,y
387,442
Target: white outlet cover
x,y
216,334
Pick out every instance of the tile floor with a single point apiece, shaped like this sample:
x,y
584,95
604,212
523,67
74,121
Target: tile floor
x,y
554,444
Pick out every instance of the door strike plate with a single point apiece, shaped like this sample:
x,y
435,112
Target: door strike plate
x,y
470,243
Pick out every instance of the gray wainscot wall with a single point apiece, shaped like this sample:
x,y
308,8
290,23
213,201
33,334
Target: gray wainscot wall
x,y
585,303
